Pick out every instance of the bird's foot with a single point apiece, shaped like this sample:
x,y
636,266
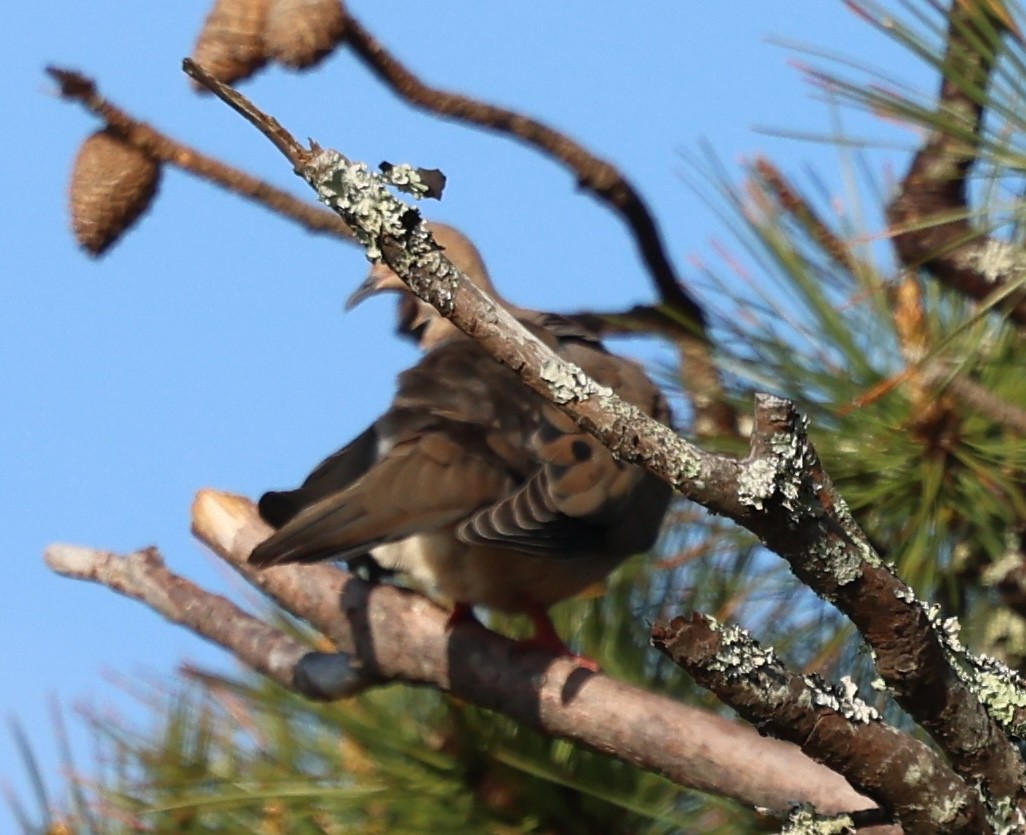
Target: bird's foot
x,y
545,637
368,569
560,649
461,613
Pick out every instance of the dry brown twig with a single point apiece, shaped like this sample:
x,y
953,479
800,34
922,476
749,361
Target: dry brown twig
x,y
75,86
679,318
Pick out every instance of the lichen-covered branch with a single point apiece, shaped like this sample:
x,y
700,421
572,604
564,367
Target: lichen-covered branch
x,y
835,728
779,492
930,216
809,525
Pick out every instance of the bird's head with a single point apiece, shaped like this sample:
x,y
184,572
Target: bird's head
x,y
417,320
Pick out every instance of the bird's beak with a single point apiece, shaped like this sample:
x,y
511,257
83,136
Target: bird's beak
x,y
380,279
365,290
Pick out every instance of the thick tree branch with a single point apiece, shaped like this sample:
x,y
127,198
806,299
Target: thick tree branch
x,y
930,215
834,728
390,634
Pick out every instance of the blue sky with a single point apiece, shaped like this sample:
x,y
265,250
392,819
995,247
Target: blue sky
x,y
210,347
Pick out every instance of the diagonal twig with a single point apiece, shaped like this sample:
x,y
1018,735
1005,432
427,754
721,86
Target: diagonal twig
x,y
75,86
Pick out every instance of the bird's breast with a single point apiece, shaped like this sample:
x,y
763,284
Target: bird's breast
x,y
499,578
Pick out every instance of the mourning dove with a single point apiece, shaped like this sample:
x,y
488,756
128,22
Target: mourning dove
x,y
472,484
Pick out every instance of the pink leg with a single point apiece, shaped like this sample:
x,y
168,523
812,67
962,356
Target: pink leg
x,y
546,637
461,613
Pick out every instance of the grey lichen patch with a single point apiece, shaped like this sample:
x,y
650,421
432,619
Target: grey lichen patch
x,y
853,707
359,196
804,820
404,176
683,465
686,469
1000,689
858,541
1005,816
756,483
793,454
432,263
841,698
798,487
568,383
995,260
844,563
739,654
780,473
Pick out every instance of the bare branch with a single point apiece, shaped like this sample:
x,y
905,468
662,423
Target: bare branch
x,y
76,87
392,634
144,577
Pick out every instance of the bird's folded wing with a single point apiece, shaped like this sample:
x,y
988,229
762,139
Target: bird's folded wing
x,y
466,446
332,475
581,500
423,483
570,506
